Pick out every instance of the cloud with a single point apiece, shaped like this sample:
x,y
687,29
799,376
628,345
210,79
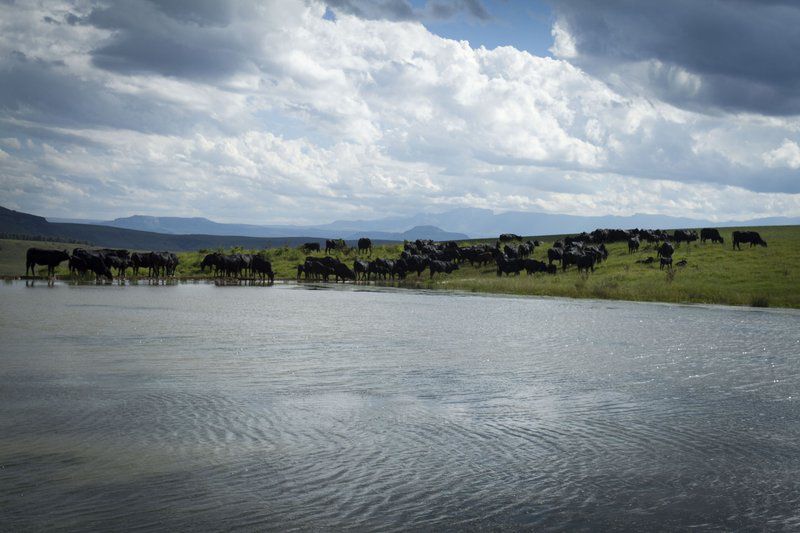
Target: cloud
x,y
273,112
786,155
705,56
403,10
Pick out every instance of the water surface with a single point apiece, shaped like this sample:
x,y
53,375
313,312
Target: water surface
x,y
193,406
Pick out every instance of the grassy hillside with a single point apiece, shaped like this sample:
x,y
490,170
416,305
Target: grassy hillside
x,y
12,254
714,274
15,222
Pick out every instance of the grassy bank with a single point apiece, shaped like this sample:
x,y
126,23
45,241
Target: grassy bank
x,y
715,274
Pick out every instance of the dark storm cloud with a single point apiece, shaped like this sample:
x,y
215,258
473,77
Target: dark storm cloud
x,y
449,9
388,9
182,39
403,10
27,94
745,52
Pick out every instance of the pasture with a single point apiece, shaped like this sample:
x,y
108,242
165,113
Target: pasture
x,y
714,273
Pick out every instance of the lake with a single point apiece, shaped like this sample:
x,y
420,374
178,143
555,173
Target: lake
x,y
198,407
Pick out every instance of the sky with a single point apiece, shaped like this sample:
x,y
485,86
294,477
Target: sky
x,y
308,111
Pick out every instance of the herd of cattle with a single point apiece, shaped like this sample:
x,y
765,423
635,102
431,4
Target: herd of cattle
x,y
101,263
584,251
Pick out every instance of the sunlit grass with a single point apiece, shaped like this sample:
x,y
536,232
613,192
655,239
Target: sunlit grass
x,y
714,274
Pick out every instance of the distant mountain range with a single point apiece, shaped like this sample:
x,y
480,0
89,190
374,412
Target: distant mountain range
x,y
17,225
204,226
459,223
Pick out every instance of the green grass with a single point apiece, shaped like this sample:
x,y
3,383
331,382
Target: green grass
x,y
715,274
12,255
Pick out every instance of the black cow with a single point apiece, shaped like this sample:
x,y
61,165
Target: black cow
x,y
585,262
340,270
507,266
665,250
633,245
380,268
360,268
510,252
444,267
92,261
711,233
166,263
416,263
77,266
532,265
365,245
554,254
315,269
666,262
508,237
684,235
49,258
309,247
751,237
334,244
261,267
209,261
481,259
140,260
525,249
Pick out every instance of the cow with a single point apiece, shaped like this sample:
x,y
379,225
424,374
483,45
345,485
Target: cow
x,y
684,235
49,258
532,265
309,247
633,245
510,252
585,262
365,245
508,237
78,266
340,270
570,257
711,233
444,267
665,250
507,266
360,268
525,249
209,261
416,263
263,268
482,259
554,254
166,262
334,244
381,268
140,260
666,262
751,237
92,261
316,269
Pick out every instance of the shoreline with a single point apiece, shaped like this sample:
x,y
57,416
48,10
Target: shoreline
x,y
449,285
